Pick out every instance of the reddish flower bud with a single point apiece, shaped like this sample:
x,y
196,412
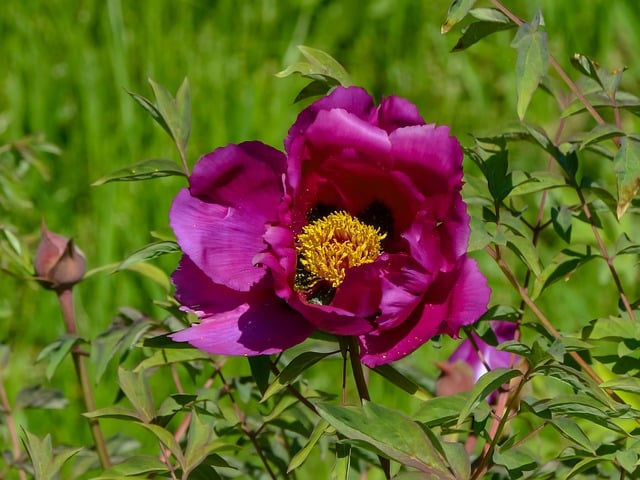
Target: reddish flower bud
x,y
59,264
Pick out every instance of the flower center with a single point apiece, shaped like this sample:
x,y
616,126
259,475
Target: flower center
x,y
330,246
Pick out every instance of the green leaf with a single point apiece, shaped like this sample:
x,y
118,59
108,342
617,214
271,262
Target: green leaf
x,y
153,273
115,411
46,466
171,355
144,170
56,352
389,432
200,442
149,252
523,247
302,454
176,113
608,81
487,384
561,217
598,134
499,181
136,388
572,431
526,183
314,89
623,384
40,397
166,438
260,366
401,381
137,465
627,167
514,460
627,459
295,367
341,467
458,459
615,329
457,11
532,62
321,66
476,31
561,268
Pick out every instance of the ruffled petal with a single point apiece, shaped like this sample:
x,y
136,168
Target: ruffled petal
x,y
220,221
232,322
430,156
454,299
339,129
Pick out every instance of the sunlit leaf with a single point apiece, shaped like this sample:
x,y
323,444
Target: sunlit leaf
x,y
136,465
402,381
476,31
571,430
391,433
149,252
200,442
457,11
167,439
115,411
532,62
597,134
532,182
319,66
172,355
46,465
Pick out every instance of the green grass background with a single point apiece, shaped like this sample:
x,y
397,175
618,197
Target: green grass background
x,y
66,66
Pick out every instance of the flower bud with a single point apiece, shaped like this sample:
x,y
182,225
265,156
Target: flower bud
x,y
59,264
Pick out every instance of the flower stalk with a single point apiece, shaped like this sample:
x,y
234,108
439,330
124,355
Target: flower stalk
x,y
65,297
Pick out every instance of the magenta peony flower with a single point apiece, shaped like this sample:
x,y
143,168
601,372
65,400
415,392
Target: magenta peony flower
x,y
360,229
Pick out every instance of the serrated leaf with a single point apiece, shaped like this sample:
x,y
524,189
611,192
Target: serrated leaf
x,y
487,384
457,11
532,62
302,454
389,432
144,170
295,367
149,252
40,397
136,388
627,167
56,352
476,31
402,381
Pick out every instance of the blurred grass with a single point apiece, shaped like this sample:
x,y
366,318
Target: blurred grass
x,y
67,67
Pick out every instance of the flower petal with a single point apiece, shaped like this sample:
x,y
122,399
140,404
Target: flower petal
x,y
396,112
455,299
221,220
235,323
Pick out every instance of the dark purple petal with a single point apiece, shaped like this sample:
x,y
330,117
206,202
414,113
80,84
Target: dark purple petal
x,y
396,112
329,318
219,223
233,322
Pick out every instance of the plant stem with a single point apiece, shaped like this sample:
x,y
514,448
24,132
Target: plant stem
x,y
363,389
11,425
65,296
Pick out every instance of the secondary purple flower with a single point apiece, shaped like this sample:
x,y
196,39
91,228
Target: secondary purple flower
x,y
465,366
58,263
360,229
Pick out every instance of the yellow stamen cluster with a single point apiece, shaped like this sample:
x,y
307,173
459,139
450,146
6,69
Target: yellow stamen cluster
x,y
332,245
